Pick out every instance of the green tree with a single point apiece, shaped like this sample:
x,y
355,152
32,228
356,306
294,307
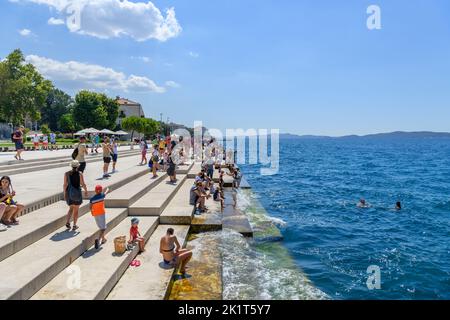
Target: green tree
x,y
92,109
132,124
150,127
57,104
45,129
23,90
67,124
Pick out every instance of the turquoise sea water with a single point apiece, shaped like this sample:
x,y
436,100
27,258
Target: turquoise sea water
x,y
334,242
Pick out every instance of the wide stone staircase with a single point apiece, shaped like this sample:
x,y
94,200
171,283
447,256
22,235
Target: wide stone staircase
x,y
40,259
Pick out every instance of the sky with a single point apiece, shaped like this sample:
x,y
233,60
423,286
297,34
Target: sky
x,y
301,66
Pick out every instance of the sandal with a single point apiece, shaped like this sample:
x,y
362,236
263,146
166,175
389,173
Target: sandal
x,y
75,228
133,263
15,221
68,226
138,263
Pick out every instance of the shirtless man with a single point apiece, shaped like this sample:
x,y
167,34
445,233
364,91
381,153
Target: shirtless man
x,y
172,252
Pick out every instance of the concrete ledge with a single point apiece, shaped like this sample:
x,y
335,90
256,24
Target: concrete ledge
x,y
179,211
195,169
131,192
30,269
152,280
100,269
155,201
34,227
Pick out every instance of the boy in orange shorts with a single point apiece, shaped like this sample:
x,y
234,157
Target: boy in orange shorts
x,y
97,204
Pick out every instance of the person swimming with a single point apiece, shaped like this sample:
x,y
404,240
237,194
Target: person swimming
x,y
363,204
398,206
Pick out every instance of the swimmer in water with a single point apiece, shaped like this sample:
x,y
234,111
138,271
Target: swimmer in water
x,y
363,204
398,206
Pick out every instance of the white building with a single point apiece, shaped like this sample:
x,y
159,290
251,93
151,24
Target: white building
x,y
128,108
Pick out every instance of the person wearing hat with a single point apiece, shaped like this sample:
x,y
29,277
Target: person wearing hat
x,y
73,182
82,152
97,206
135,236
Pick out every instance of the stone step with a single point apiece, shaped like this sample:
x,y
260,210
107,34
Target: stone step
x,y
185,168
152,280
100,270
155,201
196,168
53,160
35,226
179,211
118,180
27,271
128,194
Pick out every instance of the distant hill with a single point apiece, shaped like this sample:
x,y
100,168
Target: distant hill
x,y
391,135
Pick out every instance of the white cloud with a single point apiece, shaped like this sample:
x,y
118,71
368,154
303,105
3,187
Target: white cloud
x,y
107,19
25,32
194,54
55,22
80,75
172,84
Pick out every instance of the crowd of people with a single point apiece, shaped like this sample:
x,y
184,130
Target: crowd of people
x,y
160,154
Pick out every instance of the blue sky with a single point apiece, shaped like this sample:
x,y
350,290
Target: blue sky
x,y
306,67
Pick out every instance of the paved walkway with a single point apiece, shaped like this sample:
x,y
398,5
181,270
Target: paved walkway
x,y
34,186
6,157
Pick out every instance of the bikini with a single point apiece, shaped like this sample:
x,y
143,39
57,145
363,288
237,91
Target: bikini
x,y
173,260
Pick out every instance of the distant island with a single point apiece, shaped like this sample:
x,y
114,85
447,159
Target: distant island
x,y
390,135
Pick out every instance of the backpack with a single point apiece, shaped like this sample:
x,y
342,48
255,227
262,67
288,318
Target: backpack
x,y
75,153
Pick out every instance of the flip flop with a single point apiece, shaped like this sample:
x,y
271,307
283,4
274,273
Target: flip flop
x,y
133,263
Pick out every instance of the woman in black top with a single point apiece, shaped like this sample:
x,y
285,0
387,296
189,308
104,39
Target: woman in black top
x,y
73,182
171,171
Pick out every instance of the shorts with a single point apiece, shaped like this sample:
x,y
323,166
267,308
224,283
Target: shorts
x,y
107,159
114,157
82,167
101,221
19,146
53,142
36,144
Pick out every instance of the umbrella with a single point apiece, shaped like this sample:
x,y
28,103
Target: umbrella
x,y
86,131
90,130
121,133
106,131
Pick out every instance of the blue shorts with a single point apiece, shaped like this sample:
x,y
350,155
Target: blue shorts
x,y
19,146
114,157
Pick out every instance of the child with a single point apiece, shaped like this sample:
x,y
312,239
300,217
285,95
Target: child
x,y
97,204
135,236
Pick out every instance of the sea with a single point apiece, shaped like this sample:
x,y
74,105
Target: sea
x,y
329,248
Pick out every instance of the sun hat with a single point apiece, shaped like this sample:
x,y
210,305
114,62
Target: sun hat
x,y
74,164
